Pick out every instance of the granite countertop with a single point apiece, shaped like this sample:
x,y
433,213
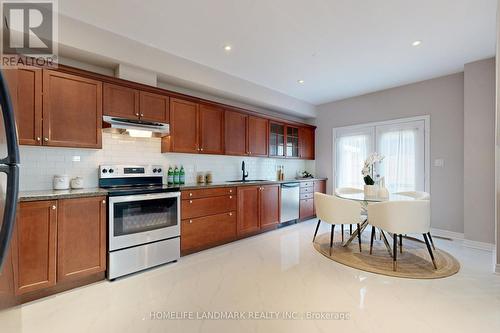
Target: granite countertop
x,y
195,186
96,191
61,194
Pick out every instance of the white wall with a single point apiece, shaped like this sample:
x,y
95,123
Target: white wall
x,y
479,151
40,164
442,99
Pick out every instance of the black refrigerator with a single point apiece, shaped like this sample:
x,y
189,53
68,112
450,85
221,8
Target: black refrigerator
x,y
9,170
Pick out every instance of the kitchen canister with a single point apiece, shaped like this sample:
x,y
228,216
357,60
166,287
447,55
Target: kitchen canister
x,y
60,182
77,183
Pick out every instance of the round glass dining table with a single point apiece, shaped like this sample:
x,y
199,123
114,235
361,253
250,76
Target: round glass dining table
x,y
364,201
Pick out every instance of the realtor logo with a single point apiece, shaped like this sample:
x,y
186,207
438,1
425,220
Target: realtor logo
x,y
29,31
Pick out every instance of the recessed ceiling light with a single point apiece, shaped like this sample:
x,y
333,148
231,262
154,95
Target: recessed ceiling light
x,y
301,81
228,48
416,43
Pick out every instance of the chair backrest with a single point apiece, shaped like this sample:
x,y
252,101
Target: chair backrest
x,y
348,190
334,210
401,217
418,195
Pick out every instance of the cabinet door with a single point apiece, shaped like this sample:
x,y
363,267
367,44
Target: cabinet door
x,y
7,296
306,208
120,101
183,126
154,107
269,205
72,110
258,135
276,139
235,125
25,85
306,143
292,142
320,186
34,246
211,130
248,209
81,237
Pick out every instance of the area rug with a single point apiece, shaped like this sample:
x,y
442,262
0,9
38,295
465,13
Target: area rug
x,y
413,263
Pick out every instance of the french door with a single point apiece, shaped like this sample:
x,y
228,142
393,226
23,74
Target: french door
x,y
403,143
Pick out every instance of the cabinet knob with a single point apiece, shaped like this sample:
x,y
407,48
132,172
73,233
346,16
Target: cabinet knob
x,y
38,139
142,114
201,149
230,214
230,191
190,221
54,207
46,139
137,114
104,201
190,201
190,194
230,197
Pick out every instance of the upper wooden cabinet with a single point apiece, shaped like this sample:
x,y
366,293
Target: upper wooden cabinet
x,y
120,101
235,126
154,107
276,139
184,126
211,136
81,237
292,142
258,134
306,143
34,246
72,110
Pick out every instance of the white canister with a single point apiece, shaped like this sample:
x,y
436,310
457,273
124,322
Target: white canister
x,y
77,183
60,182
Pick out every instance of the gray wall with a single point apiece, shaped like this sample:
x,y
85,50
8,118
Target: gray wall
x,y
442,99
479,151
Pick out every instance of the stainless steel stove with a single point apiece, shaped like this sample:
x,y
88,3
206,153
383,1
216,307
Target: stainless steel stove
x,y
143,218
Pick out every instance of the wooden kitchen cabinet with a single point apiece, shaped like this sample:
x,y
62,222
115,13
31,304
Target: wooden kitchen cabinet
x,y
292,142
306,208
306,143
258,136
154,107
270,200
34,246
184,126
81,237
248,209
193,208
276,139
72,110
7,295
235,127
211,120
120,101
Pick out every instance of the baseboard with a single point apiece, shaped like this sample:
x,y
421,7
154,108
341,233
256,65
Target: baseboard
x,y
478,245
447,234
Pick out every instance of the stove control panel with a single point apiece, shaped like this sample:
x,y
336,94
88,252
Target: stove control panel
x,y
129,171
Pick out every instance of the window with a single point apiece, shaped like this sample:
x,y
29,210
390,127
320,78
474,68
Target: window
x,y
403,144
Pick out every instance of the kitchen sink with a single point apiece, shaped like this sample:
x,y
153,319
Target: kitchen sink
x,y
248,181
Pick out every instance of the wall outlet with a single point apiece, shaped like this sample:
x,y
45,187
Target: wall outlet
x,y
76,158
439,163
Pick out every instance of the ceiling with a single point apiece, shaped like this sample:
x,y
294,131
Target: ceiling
x,y
340,48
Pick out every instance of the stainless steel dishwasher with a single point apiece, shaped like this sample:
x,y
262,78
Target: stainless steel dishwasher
x,y
290,195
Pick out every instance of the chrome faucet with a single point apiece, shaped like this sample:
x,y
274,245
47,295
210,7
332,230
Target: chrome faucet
x,y
244,172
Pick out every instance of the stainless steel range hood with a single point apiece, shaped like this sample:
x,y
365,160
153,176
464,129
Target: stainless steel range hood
x,y
124,126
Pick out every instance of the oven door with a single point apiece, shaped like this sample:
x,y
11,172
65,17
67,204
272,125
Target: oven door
x,y
143,218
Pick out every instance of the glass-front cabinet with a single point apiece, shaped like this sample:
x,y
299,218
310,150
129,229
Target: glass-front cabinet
x,y
276,139
292,141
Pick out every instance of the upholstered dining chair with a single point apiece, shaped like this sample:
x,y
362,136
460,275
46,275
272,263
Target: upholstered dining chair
x,y
402,217
417,195
333,210
347,190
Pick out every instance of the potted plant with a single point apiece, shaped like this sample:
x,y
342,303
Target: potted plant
x,y
371,189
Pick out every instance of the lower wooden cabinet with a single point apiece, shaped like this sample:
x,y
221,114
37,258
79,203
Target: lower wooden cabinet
x,y
258,208
306,208
58,240
81,237
307,190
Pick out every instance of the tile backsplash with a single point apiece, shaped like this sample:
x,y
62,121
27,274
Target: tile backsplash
x,y
40,164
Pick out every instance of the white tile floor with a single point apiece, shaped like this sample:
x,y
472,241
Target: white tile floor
x,y
277,271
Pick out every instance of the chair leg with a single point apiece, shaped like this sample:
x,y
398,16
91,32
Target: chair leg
x,y
371,240
401,243
394,252
432,242
316,232
331,238
359,237
350,229
430,251
342,232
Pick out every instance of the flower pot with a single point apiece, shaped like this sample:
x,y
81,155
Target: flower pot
x,y
371,190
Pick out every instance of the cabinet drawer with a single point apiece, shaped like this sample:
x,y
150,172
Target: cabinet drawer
x,y
208,192
306,196
306,184
306,208
193,208
306,190
206,231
